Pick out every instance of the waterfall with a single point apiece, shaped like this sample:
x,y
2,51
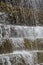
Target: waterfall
x,y
5,60
8,61
21,32
19,57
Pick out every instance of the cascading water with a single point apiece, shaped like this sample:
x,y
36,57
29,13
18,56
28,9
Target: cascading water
x,y
18,57
21,33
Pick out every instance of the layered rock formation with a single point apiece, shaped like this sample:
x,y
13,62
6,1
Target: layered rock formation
x,y
21,32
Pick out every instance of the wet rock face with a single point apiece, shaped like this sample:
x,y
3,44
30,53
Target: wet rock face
x,y
40,58
15,19
18,19
15,15
6,47
22,15
25,3
18,39
39,43
33,45
40,16
10,45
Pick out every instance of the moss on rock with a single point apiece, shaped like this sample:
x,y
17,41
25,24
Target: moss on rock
x,y
6,47
28,44
40,57
21,15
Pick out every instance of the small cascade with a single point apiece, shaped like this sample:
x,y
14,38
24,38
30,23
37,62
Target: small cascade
x,y
11,31
21,32
8,61
5,61
18,57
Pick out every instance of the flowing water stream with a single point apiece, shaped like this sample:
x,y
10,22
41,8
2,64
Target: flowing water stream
x,y
21,41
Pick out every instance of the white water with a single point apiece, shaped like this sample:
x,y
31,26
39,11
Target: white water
x,y
10,31
17,33
5,59
18,40
25,55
